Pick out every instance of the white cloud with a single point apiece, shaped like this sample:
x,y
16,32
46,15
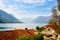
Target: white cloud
x,y
49,8
32,15
50,0
31,1
12,9
2,5
17,0
22,13
34,2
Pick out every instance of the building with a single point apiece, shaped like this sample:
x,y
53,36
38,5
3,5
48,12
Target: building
x,y
14,34
50,31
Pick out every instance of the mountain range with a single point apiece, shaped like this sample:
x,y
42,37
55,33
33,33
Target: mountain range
x,y
42,19
39,19
8,18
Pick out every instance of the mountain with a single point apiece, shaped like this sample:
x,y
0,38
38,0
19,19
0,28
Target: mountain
x,y
7,18
42,19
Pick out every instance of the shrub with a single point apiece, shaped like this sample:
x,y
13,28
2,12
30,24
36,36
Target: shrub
x,y
25,37
39,28
39,37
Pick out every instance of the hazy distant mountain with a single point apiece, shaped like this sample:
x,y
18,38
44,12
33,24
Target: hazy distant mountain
x,y
41,19
26,20
7,18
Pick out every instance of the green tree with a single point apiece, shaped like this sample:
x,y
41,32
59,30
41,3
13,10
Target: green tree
x,y
51,21
58,4
39,37
25,37
55,17
58,1
55,14
39,28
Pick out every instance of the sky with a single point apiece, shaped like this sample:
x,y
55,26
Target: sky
x,y
28,8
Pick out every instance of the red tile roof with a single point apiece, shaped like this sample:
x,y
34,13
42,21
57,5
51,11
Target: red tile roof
x,y
53,26
13,34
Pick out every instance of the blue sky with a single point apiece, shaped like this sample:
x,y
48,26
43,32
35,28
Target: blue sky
x,y
28,8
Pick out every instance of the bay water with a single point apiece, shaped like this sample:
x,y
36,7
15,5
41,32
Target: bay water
x,y
12,26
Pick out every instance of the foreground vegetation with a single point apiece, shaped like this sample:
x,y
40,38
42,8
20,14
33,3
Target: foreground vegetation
x,y
26,37
39,29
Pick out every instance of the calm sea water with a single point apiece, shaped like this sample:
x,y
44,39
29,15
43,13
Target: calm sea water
x,y
12,26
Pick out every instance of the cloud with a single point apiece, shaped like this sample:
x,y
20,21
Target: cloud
x,y
31,3
2,5
14,8
23,13
34,1
32,15
50,0
50,8
25,3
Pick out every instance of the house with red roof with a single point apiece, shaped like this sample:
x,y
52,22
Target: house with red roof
x,y
50,30
14,34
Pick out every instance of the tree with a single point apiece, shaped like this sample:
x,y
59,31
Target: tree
x,y
58,1
52,21
39,28
55,17
54,14
39,37
58,4
25,37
